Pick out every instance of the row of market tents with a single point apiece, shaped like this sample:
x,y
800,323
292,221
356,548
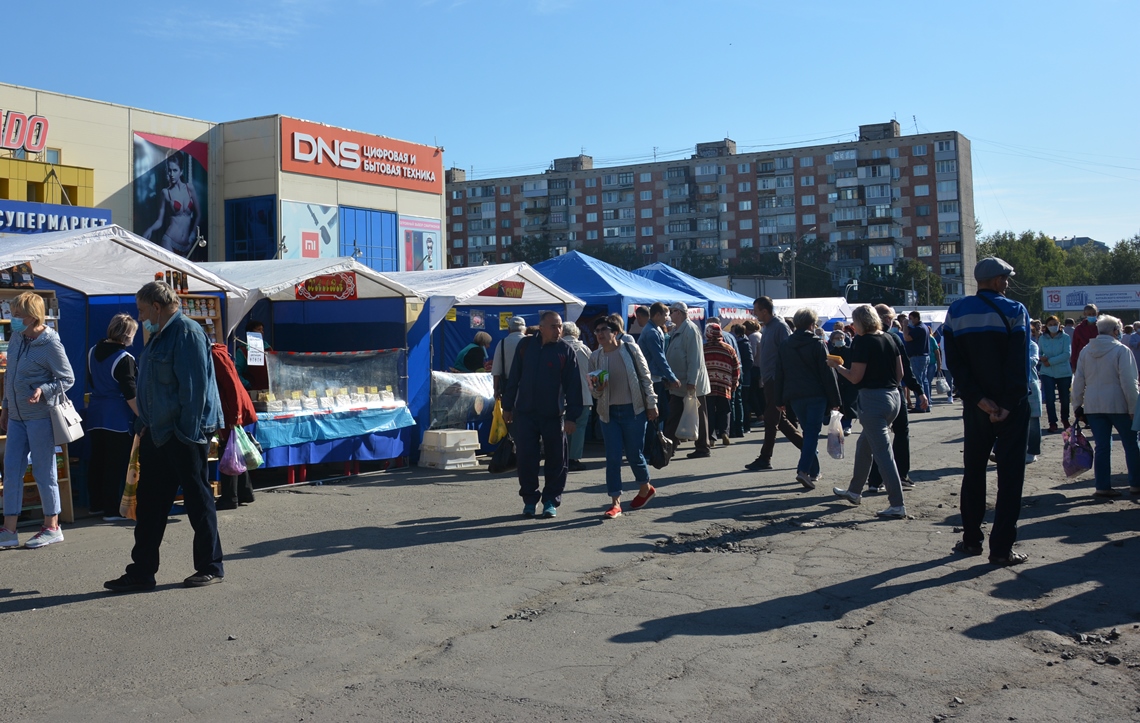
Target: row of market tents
x,y
430,314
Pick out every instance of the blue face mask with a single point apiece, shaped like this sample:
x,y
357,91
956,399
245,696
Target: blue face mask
x,y
150,326
18,325
1092,319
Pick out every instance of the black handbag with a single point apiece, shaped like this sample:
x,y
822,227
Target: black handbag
x,y
658,448
503,458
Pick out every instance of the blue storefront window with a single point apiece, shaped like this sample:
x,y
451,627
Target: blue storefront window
x,y
251,228
374,234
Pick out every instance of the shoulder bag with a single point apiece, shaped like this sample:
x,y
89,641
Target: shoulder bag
x,y
66,423
658,449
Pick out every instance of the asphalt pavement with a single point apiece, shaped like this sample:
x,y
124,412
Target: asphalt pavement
x,y
419,595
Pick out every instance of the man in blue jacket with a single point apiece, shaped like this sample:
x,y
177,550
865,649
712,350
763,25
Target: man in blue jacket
x,y
543,389
987,345
179,410
652,345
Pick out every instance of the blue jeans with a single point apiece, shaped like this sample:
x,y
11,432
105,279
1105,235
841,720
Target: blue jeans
x,y
624,432
34,436
811,411
1051,386
578,439
918,365
1102,425
877,411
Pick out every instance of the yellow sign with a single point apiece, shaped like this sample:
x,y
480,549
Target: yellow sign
x,y
504,318
296,395
360,390
450,314
373,390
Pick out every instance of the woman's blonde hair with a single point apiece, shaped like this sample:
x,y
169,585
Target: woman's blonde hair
x,y
867,318
122,329
29,304
482,338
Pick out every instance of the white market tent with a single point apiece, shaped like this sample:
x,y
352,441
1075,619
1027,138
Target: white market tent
x,y
104,261
446,288
277,280
827,307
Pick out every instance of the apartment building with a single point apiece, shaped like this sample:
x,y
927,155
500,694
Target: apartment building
x,y
877,200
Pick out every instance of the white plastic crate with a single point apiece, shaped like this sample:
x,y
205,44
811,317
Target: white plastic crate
x,y
451,440
438,459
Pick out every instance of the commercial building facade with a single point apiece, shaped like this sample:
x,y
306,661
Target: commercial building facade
x,y
877,200
259,188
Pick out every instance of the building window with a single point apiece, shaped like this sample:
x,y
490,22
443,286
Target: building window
x,y
625,179
646,230
745,224
610,196
744,206
456,194
504,207
592,217
506,223
892,153
785,164
947,190
807,161
627,213
765,167
921,170
251,228
592,235
785,181
919,150
591,200
646,178
848,155
744,187
952,268
924,251
591,182
948,227
809,219
807,180
787,219
943,146
808,200
743,167
923,190
647,213
505,190
949,248
876,153
457,226
647,195
745,243
922,231
922,210
457,243
610,179
647,249
456,210
708,169
946,166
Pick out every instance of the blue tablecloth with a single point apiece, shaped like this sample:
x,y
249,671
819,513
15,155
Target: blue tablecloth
x,y
379,445
273,430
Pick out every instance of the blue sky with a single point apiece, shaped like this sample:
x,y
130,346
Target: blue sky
x,y
1048,92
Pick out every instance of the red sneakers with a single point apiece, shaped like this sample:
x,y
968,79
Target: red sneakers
x,y
639,501
612,512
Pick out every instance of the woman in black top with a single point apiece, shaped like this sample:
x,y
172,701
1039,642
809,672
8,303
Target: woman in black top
x,y
875,368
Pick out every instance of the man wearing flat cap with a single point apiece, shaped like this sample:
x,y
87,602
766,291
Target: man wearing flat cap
x,y
986,337
686,357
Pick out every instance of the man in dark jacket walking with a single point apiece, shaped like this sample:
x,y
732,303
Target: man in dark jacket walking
x,y
544,388
775,420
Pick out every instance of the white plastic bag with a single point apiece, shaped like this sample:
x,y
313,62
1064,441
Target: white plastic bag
x,y
690,423
835,436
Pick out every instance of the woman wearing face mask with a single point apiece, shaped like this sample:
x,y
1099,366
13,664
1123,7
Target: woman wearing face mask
x,y
1105,393
847,391
38,375
1055,347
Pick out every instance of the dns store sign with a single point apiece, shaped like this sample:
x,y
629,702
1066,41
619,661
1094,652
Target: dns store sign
x,y
23,131
319,150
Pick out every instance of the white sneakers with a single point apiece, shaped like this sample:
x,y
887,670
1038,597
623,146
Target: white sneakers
x,y
8,539
44,537
848,495
894,513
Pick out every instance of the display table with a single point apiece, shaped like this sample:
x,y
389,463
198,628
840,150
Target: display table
x,y
293,439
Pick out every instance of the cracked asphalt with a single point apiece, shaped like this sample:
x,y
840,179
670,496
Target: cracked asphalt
x,y
418,595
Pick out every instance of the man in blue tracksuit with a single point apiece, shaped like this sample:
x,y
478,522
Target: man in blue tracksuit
x,y
543,388
986,337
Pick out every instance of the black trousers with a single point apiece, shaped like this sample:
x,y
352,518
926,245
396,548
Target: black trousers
x,y
107,469
162,470
235,488
1007,440
720,412
777,421
661,389
900,447
676,409
529,430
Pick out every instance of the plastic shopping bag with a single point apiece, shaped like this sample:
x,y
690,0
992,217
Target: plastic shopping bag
x,y
835,436
940,385
250,450
498,424
690,423
130,492
1078,454
232,462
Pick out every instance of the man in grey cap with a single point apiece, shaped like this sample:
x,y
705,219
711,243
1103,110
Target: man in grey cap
x,y
505,353
685,353
986,337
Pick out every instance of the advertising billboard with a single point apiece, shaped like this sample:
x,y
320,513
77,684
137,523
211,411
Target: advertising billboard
x,y
420,247
170,201
1065,298
313,149
25,217
309,231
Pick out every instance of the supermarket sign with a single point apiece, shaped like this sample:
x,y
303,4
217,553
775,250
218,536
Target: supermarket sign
x,y
328,287
1064,298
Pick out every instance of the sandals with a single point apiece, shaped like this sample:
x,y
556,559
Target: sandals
x,y
964,549
1013,558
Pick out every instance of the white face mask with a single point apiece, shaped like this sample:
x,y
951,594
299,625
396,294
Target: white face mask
x,y
1053,329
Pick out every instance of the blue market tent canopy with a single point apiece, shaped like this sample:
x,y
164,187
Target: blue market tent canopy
x,y
606,288
721,302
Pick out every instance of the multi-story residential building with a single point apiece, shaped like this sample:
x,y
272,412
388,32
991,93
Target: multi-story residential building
x,y
877,200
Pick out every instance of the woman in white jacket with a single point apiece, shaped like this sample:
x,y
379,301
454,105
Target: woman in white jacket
x,y
1105,392
620,381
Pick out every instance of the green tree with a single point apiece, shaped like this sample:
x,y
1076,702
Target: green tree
x,y
531,249
751,262
697,264
913,274
1121,265
812,277
624,256
1037,260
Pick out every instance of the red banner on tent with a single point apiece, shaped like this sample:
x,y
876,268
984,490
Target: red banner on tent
x,y
328,287
505,289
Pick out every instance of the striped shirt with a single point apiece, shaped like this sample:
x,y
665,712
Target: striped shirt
x,y
987,359
39,363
